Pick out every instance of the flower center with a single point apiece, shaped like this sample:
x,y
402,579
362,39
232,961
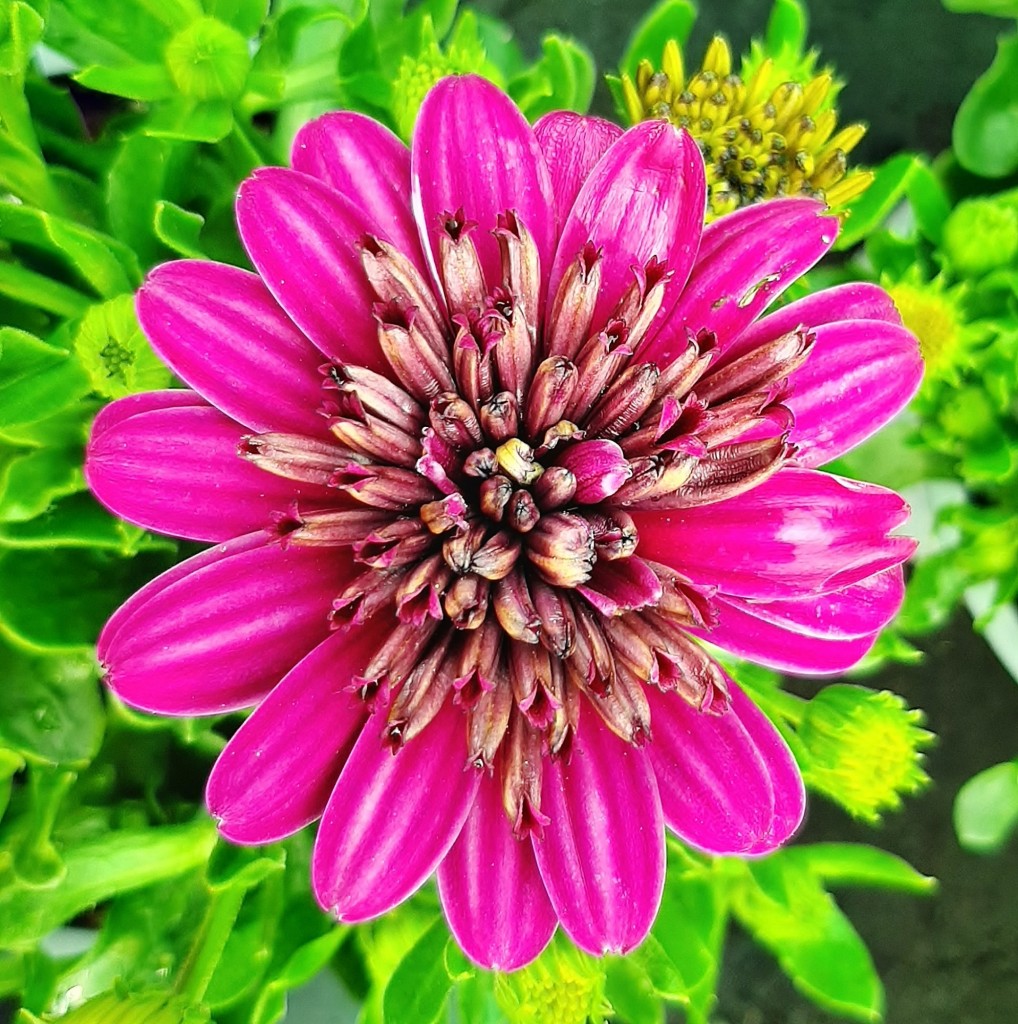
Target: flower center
x,y
482,489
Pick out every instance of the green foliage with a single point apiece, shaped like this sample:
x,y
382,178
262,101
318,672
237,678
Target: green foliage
x,y
986,128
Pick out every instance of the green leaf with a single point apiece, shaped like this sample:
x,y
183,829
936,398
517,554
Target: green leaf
x,y
36,379
59,600
893,179
785,907
144,82
40,292
33,481
190,120
179,229
985,134
246,16
689,930
98,869
858,864
670,19
997,8
787,28
631,993
100,262
419,987
986,808
299,969
79,521
563,79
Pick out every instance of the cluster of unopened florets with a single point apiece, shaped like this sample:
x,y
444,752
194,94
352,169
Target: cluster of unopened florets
x,y
487,484
758,140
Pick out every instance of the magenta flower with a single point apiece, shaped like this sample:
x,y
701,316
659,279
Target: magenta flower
x,y
463,570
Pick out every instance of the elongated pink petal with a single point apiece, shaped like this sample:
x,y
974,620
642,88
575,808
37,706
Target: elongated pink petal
x,y
572,145
644,198
859,375
622,585
602,857
728,783
279,768
178,572
472,148
744,633
491,890
817,635
146,401
220,330
363,161
303,238
801,532
176,470
220,636
746,260
858,300
392,818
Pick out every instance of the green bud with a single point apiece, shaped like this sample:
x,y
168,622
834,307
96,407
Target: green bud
x,y
209,60
114,353
864,748
981,235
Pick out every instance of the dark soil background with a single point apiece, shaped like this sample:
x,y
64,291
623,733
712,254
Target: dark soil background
x,y
951,958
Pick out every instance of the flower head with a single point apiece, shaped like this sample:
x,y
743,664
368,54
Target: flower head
x,y
761,135
864,747
493,438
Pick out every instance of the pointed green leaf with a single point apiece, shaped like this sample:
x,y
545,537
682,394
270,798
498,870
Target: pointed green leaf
x,y
191,120
419,987
857,864
893,180
179,229
144,82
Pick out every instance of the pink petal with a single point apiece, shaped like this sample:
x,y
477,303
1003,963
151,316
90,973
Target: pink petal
x,y
645,198
602,857
220,330
392,818
176,470
572,145
472,148
303,238
818,635
746,260
178,572
278,770
858,300
801,532
621,585
600,468
222,634
728,783
860,374
366,163
491,890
